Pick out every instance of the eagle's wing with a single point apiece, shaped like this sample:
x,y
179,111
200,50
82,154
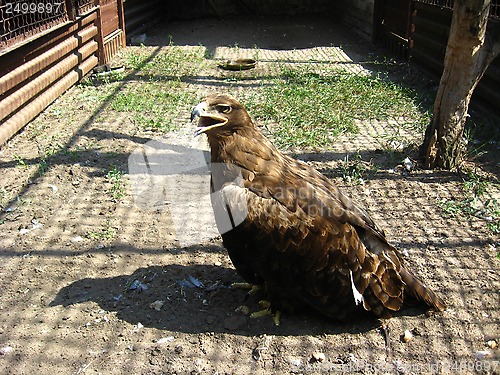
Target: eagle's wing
x,y
317,259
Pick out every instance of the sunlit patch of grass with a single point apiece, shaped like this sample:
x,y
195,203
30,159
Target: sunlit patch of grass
x,y
311,109
158,96
153,106
136,58
92,92
477,201
170,62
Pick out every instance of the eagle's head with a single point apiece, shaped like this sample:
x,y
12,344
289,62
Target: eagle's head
x,y
220,114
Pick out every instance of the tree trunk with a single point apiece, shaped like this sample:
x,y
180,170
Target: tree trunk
x,y
468,54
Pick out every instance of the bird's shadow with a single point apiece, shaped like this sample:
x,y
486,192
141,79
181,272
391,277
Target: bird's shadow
x,y
197,299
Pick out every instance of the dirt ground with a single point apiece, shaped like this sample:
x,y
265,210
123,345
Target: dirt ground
x,y
91,283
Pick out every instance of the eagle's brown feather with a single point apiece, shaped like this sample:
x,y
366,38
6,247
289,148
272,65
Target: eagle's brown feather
x,y
301,237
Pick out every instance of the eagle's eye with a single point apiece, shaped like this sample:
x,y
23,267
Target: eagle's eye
x,y
223,108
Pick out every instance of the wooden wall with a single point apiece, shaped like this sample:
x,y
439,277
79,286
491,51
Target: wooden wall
x,y
357,14
419,29
142,14
430,30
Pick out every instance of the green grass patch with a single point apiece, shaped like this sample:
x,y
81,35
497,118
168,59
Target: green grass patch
x,y
151,87
354,169
103,234
20,161
115,178
477,201
153,106
172,62
311,109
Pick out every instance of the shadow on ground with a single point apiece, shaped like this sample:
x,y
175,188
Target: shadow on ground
x,y
199,299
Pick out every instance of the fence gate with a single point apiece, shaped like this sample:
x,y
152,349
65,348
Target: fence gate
x,y
392,24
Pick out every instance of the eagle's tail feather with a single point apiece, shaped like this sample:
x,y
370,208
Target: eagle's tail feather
x,y
417,289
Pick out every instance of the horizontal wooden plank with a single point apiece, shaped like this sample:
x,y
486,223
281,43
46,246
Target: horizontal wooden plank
x,y
24,94
27,113
32,67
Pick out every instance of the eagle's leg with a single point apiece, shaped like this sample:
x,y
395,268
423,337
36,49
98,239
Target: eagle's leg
x,y
252,288
266,305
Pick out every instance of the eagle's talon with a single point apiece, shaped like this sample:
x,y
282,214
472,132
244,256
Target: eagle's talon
x,y
266,305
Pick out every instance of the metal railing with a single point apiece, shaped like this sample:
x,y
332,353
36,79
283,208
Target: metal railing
x,y
83,6
20,19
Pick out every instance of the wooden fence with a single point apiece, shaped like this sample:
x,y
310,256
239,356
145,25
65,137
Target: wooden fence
x,y
46,49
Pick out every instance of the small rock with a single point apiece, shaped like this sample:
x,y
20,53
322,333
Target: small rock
x,y
6,350
234,322
77,239
218,264
318,357
407,336
210,319
164,340
408,164
53,187
492,344
157,305
36,224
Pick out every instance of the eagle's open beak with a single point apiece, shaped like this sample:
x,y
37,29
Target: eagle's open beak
x,y
207,120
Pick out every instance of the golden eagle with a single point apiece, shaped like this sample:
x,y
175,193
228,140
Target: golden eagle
x,y
292,230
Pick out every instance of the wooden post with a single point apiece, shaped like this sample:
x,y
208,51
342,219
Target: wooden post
x,y
100,36
121,21
71,9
